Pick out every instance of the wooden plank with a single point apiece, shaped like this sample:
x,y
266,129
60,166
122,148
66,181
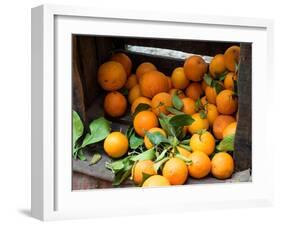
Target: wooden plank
x,y
243,137
207,48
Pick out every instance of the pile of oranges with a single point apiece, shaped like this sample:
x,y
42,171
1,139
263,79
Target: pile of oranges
x,y
207,93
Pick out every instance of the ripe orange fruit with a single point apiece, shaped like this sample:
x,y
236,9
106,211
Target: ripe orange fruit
x,y
153,82
194,68
160,102
177,92
204,142
169,82
144,121
222,165
139,100
231,56
156,181
175,170
123,59
111,76
188,106
220,123
198,124
144,166
116,144
204,100
134,93
194,91
211,94
147,142
229,81
143,68
203,85
226,102
183,151
217,65
229,130
212,113
115,104
179,79
131,82
200,166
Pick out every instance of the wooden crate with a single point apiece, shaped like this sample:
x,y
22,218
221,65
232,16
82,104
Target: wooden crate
x,y
91,51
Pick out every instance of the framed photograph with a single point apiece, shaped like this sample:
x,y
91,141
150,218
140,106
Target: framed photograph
x,y
134,113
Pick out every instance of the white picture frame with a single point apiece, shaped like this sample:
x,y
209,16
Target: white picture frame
x,y
52,197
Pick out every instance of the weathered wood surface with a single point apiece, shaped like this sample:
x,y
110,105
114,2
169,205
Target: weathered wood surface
x,y
243,136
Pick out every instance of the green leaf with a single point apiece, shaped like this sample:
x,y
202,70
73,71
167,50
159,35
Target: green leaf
x,y
157,165
99,130
198,105
187,147
135,141
77,129
181,120
186,142
118,165
165,124
141,107
185,159
96,157
81,155
124,91
121,176
156,138
174,111
203,114
208,79
162,155
177,102
218,86
227,144
147,155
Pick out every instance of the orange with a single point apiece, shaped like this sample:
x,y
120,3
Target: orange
x,y
211,94
204,142
212,113
134,93
229,81
194,68
179,79
143,68
156,181
203,85
123,59
153,82
116,144
144,166
144,121
177,92
183,151
230,129
217,66
226,102
111,76
175,170
169,82
194,91
139,100
198,124
200,166
147,142
204,100
188,106
160,102
222,165
220,123
131,82
115,104
231,56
